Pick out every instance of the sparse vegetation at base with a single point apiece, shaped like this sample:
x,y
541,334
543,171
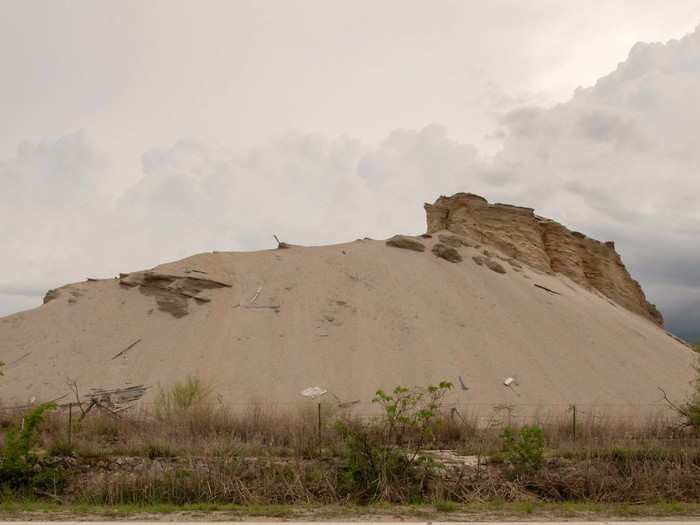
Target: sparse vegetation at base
x,y
194,451
497,510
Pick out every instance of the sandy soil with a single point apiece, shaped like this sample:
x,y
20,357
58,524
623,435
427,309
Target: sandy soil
x,y
350,318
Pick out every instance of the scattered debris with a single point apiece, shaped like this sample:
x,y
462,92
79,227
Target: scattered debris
x,y
281,245
192,270
132,345
197,296
406,243
255,297
16,361
449,459
447,253
461,383
118,396
272,306
546,289
511,382
313,392
111,400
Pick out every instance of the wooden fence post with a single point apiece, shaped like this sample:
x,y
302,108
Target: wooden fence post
x,y
70,423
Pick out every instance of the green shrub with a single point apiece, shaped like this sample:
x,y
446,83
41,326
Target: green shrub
x,y
382,460
523,451
690,410
18,459
181,396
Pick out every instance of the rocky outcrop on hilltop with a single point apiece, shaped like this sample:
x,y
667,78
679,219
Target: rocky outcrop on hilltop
x,y
543,244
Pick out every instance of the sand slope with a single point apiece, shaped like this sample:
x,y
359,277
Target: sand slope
x,y
351,318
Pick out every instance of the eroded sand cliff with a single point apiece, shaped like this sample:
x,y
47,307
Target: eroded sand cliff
x,y
543,244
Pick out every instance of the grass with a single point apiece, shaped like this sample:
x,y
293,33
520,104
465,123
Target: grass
x,y
479,511
215,459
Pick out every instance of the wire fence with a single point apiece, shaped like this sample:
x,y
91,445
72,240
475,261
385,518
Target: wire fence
x,y
478,414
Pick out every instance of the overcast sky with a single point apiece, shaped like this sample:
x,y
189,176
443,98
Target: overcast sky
x,y
132,133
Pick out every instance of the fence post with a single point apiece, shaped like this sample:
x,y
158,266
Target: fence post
x,y
70,422
320,438
573,422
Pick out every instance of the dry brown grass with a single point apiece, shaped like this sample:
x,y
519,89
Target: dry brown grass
x,y
211,429
265,456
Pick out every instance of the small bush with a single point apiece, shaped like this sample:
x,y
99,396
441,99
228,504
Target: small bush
x,y
524,451
181,396
382,460
690,410
18,458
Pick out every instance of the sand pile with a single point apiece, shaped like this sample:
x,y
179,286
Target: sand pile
x,y
490,292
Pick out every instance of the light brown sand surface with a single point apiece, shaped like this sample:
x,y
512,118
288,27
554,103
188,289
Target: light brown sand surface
x,y
350,318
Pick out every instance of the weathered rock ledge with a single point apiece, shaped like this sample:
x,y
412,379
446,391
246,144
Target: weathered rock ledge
x,y
543,244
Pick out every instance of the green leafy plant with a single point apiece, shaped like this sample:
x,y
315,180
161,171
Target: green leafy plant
x,y
411,414
383,460
524,451
181,396
690,410
18,459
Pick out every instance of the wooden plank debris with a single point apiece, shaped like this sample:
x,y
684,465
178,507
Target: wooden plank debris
x,y
547,289
273,306
255,297
132,345
461,383
111,400
281,245
16,361
192,270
